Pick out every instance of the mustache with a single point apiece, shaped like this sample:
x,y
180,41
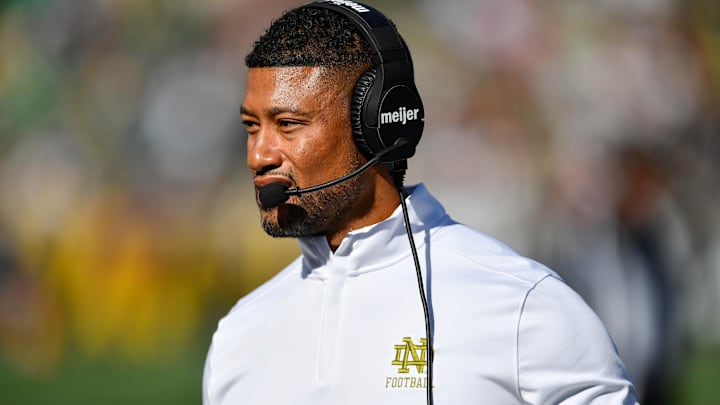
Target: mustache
x,y
278,173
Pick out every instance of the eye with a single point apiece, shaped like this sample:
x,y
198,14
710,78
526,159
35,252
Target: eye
x,y
251,126
288,125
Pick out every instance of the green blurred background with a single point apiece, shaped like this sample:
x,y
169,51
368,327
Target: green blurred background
x,y
585,134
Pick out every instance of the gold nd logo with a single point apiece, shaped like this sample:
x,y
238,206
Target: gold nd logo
x,y
409,354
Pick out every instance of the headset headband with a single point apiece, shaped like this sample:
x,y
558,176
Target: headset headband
x,y
386,106
377,29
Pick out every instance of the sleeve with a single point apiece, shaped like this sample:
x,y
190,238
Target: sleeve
x,y
564,353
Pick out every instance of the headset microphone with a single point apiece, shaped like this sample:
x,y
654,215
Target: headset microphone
x,y
273,194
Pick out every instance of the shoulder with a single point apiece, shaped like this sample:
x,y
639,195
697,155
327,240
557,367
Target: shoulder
x,y
467,250
565,353
561,348
554,313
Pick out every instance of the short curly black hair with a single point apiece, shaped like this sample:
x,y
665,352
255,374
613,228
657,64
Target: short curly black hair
x,y
312,37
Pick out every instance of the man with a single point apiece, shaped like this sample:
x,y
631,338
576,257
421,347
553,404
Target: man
x,y
343,323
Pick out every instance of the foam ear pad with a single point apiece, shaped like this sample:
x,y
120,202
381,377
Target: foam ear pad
x,y
360,93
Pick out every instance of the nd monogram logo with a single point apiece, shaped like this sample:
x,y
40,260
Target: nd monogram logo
x,y
409,354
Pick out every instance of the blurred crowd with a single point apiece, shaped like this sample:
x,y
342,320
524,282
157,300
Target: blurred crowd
x,y
584,134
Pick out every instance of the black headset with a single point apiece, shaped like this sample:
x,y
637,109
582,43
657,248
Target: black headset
x,y
386,106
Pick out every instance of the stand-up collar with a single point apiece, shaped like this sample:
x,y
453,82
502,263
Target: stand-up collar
x,y
375,246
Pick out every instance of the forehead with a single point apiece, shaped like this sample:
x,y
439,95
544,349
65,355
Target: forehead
x,y
288,86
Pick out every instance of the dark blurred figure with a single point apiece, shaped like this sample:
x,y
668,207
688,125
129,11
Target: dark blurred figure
x,y
31,330
645,235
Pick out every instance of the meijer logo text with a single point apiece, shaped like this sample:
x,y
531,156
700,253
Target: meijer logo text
x,y
402,115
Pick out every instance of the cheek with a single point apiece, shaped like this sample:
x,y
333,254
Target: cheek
x,y
331,148
325,158
317,154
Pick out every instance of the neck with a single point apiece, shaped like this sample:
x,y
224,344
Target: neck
x,y
378,202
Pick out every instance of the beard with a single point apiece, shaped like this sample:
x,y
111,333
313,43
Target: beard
x,y
317,212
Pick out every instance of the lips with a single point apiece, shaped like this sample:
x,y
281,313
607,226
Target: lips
x,y
263,181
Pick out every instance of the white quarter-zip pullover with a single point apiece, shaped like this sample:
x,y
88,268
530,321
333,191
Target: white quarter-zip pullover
x,y
347,327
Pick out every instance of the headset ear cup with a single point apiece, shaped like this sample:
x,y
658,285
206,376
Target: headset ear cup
x,y
360,93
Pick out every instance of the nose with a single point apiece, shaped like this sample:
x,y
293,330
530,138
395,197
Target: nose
x,y
263,153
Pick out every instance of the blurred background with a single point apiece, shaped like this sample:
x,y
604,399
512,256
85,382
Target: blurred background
x,y
584,134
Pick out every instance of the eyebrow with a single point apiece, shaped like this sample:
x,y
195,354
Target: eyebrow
x,y
245,111
275,111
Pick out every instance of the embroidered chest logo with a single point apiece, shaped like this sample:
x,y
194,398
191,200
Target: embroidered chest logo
x,y
410,358
409,354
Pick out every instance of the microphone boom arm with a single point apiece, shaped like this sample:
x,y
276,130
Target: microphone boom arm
x,y
297,191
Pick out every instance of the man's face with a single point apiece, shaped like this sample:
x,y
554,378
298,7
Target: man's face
x,y
299,135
